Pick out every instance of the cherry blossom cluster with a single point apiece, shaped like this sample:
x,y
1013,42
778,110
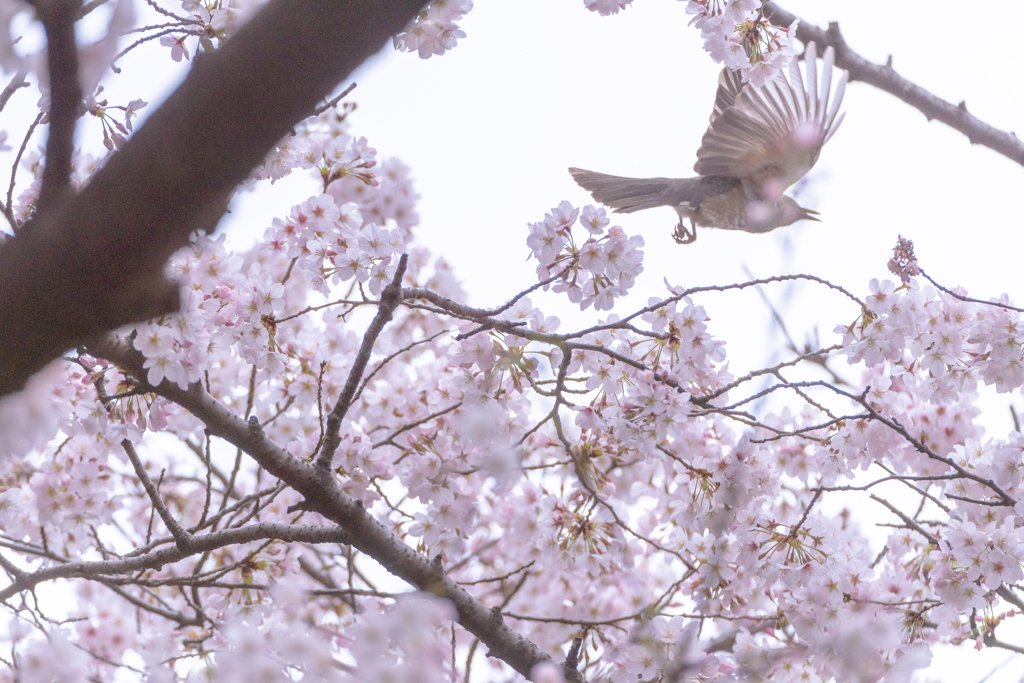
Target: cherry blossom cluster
x,y
342,234
737,34
607,7
940,344
596,272
930,349
114,132
205,21
434,31
665,647
417,628
228,302
64,495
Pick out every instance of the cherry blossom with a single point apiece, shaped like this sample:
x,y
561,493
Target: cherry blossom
x,y
434,31
736,33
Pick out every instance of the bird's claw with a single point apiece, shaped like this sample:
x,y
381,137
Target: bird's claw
x,y
683,236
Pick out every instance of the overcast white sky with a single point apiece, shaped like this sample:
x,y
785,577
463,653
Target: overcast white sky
x,y
540,85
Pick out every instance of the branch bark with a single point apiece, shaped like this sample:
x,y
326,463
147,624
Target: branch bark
x,y
93,262
59,19
884,77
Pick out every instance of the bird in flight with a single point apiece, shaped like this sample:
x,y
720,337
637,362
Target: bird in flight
x,y
761,140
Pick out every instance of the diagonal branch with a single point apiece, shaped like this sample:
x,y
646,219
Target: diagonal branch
x,y
390,299
182,538
884,77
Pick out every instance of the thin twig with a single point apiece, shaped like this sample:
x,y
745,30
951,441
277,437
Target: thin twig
x,y
967,299
390,299
906,520
9,209
16,83
333,102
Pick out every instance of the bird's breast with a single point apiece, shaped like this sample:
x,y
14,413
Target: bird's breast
x,y
727,210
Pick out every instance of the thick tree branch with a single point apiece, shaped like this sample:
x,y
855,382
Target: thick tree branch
x,y
94,262
322,495
883,77
59,17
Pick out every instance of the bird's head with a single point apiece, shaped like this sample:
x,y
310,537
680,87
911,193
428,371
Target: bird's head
x,y
766,216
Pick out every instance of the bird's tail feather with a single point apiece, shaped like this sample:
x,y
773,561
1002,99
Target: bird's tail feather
x,y
625,195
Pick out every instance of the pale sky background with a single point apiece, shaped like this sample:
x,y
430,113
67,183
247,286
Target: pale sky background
x,y
490,128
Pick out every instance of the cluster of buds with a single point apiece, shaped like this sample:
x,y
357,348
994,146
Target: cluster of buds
x,y
115,134
903,261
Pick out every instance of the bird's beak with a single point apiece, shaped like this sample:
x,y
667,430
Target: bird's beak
x,y
810,215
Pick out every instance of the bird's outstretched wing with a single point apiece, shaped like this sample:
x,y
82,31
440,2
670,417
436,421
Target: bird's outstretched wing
x,y
729,85
771,135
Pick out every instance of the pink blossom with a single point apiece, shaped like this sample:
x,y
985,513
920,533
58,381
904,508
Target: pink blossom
x,y
177,45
